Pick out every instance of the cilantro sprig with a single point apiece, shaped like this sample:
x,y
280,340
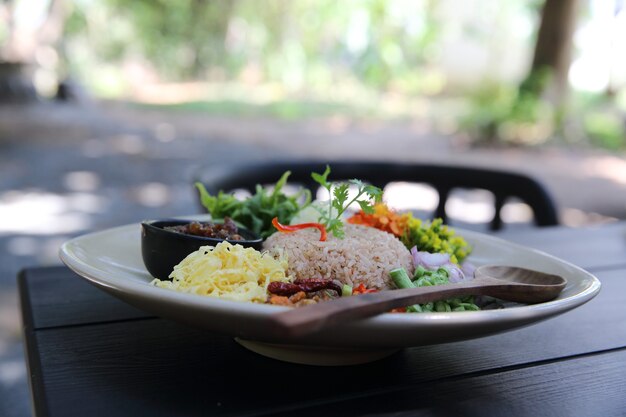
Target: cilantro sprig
x,y
340,200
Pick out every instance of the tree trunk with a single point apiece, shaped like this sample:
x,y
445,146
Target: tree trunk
x,y
553,48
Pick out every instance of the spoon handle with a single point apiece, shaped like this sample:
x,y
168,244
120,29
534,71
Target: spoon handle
x,y
308,319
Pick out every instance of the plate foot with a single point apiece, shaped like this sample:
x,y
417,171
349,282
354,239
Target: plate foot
x,y
313,355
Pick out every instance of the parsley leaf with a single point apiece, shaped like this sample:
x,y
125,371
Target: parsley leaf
x,y
340,200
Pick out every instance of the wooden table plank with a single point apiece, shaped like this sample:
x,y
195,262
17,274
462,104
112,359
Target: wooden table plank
x,y
587,386
59,297
591,248
133,365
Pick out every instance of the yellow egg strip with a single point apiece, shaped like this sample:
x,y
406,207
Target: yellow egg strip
x,y
227,271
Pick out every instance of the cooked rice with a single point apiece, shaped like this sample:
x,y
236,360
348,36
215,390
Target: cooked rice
x,y
364,256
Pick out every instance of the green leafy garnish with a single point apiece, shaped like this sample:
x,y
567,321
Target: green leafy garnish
x,y
340,200
256,213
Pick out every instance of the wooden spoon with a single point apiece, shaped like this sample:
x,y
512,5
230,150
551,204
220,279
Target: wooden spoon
x,y
504,282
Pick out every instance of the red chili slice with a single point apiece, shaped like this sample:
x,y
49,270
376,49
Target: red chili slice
x,y
292,228
361,289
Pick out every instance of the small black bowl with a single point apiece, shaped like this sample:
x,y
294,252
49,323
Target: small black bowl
x,y
162,249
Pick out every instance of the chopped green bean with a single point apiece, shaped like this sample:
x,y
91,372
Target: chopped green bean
x,y
401,278
443,272
346,290
419,271
426,278
442,307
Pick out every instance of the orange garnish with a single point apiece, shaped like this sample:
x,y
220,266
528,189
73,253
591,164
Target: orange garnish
x,y
383,219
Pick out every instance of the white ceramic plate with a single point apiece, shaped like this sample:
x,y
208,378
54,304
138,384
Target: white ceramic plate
x,y
111,260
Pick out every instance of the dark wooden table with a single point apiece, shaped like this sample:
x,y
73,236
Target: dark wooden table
x,y
92,355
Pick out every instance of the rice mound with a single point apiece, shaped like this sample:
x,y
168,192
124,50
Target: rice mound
x,y
364,256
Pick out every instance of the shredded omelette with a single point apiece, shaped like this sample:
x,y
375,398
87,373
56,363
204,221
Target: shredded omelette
x,y
227,271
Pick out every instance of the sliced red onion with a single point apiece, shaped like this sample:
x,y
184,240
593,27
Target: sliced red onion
x,y
429,260
455,274
468,269
433,261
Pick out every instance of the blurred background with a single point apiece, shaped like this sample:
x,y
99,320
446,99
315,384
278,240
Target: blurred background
x,y
108,106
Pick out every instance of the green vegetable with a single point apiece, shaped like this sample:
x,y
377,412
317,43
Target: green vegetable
x,y
422,278
346,290
401,278
256,213
442,307
435,237
340,200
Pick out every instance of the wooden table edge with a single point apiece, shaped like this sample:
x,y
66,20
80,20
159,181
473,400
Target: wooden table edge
x,y
31,351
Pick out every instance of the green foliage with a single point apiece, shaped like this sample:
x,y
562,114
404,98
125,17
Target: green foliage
x,y
500,113
321,50
504,114
303,44
181,38
606,129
